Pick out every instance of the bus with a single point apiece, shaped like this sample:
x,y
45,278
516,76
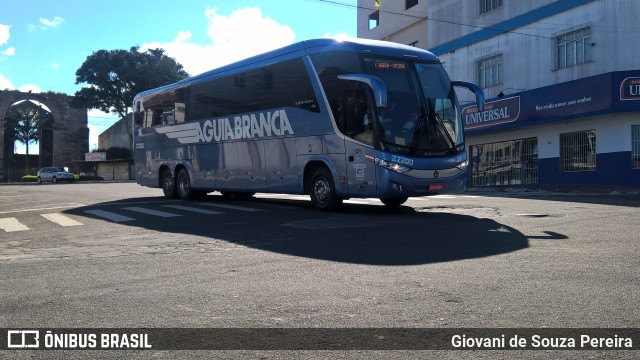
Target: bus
x,y
332,119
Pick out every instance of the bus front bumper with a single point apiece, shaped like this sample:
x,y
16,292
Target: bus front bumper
x,y
416,183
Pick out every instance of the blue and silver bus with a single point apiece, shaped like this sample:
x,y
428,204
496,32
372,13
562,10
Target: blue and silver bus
x,y
327,118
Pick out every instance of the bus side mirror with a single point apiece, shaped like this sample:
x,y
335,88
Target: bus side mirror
x,y
474,89
377,85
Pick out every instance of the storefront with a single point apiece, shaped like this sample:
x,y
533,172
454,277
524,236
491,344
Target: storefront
x,y
583,132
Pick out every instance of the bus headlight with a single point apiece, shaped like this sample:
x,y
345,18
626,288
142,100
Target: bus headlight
x,y
395,167
463,165
398,168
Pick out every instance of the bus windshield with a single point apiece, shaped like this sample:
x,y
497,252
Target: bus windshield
x,y
421,118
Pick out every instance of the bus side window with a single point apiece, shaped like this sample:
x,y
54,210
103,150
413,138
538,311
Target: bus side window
x,y
138,115
356,116
165,109
157,116
138,119
167,116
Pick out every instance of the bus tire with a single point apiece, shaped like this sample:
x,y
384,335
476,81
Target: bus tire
x,y
394,202
169,185
237,195
323,190
183,186
243,195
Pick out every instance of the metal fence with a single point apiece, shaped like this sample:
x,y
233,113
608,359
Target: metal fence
x,y
511,162
578,151
635,146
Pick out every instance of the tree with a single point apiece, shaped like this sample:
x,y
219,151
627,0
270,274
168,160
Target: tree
x,y
116,76
27,128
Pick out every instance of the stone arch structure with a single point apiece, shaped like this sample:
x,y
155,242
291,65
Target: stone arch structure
x,y
65,139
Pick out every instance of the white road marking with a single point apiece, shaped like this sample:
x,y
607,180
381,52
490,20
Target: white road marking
x,y
41,209
298,198
61,219
233,207
109,215
192,209
12,224
151,212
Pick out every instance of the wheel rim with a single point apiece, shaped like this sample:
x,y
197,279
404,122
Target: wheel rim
x,y
322,190
183,185
168,183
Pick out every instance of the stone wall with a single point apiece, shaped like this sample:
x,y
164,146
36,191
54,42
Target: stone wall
x,y
70,140
117,136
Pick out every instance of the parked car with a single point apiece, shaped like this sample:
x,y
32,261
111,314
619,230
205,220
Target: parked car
x,y
55,174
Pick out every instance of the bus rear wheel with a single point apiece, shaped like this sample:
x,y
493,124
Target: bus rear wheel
x,y
323,190
169,185
183,184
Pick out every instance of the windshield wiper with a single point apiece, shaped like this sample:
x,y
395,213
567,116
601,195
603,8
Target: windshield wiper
x,y
443,129
417,134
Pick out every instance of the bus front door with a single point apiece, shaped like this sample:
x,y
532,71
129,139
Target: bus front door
x,y
361,173
355,121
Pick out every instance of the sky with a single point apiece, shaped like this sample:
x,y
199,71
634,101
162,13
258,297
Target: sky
x,y
44,42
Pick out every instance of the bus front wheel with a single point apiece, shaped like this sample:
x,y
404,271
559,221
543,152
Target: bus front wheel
x,y
323,190
394,202
169,185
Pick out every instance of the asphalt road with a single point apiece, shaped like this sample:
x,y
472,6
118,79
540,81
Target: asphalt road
x,y
117,255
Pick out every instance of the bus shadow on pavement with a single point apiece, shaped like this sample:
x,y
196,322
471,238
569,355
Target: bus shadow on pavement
x,y
358,234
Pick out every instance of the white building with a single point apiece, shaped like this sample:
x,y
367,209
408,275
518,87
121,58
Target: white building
x,y
562,78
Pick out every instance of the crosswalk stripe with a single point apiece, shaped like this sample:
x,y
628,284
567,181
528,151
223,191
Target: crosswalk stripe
x,y
109,215
192,209
12,224
233,207
61,219
150,211
279,206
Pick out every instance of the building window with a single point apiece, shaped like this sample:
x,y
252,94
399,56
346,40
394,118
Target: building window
x,y
490,71
578,151
489,5
513,162
574,48
635,146
374,20
409,4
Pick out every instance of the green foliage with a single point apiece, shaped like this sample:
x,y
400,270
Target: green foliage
x,y
116,76
29,178
27,125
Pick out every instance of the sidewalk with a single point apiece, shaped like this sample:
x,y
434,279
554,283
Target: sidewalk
x,y
564,189
75,182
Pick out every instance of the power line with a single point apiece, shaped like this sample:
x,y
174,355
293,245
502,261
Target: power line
x,y
426,17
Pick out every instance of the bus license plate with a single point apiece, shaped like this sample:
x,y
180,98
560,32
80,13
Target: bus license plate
x,y
436,186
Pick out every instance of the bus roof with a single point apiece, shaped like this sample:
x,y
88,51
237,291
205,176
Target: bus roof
x,y
309,47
